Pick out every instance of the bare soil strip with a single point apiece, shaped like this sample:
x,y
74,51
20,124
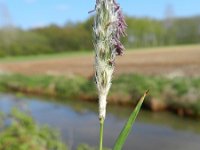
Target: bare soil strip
x,y
171,61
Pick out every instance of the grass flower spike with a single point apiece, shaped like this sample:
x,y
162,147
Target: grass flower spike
x,y
109,26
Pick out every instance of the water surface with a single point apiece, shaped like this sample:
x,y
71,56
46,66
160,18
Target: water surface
x,y
78,123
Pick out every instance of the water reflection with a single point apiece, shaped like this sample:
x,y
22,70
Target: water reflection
x,y
78,123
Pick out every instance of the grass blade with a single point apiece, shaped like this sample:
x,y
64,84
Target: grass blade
x,y
128,126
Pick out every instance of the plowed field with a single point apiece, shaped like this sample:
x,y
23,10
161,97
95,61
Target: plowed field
x,y
171,61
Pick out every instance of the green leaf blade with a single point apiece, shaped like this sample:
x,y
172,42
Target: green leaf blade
x,y
128,126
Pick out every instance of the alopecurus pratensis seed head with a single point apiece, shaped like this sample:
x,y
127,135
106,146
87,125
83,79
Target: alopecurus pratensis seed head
x,y
109,26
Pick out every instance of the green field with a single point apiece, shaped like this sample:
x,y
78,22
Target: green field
x,y
44,56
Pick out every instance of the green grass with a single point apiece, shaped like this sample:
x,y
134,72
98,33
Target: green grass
x,y
44,56
84,53
177,93
187,46
22,133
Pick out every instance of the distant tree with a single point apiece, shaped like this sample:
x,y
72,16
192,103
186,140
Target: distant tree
x,y
142,32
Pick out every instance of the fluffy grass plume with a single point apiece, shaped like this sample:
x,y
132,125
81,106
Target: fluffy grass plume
x,y
109,26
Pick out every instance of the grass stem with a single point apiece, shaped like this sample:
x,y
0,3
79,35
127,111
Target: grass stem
x,y
101,134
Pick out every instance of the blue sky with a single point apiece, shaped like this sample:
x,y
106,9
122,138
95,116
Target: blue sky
x,y
35,13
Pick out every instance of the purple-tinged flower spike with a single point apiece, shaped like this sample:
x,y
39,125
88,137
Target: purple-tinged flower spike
x,y
109,26
119,48
121,29
121,20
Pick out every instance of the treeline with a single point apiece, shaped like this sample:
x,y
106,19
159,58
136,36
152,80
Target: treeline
x,y
142,32
148,32
50,39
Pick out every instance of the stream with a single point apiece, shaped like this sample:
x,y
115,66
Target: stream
x,y
77,122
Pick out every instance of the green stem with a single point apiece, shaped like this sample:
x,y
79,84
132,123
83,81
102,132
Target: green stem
x,y
101,134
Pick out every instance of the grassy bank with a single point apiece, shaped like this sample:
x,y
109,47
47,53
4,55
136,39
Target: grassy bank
x,y
45,56
68,54
180,95
23,133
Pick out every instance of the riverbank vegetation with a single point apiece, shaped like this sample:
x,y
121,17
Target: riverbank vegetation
x,y
180,95
23,133
19,131
142,32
